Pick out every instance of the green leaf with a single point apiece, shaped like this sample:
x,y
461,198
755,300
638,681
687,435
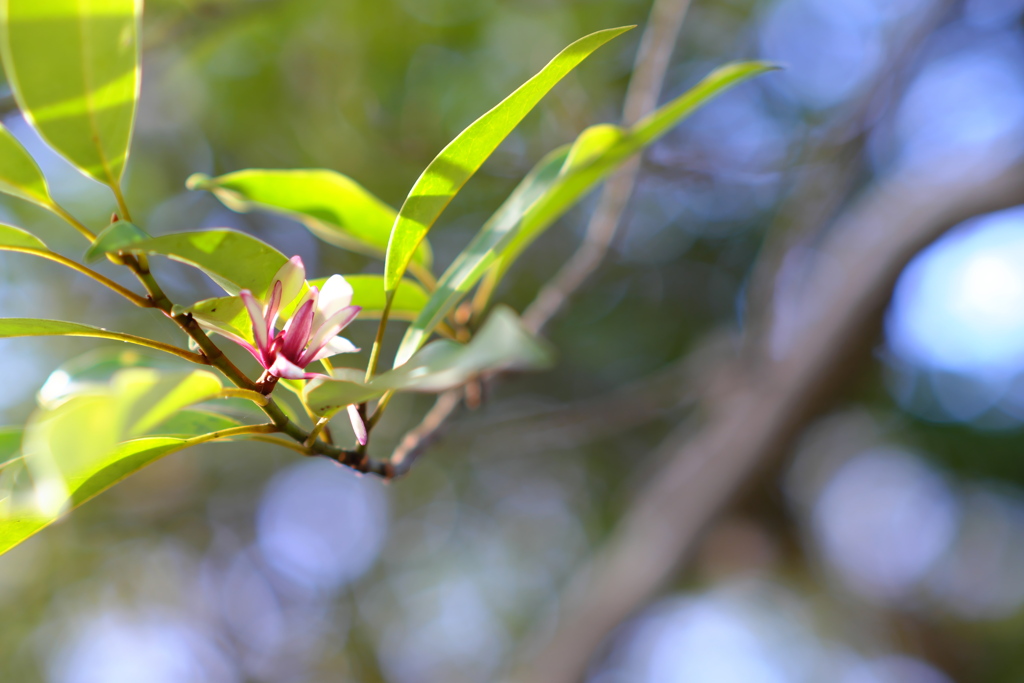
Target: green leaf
x,y
38,327
224,312
334,207
114,238
600,150
368,292
95,368
187,423
234,260
16,237
74,68
23,521
557,182
501,344
481,252
19,174
457,162
86,443
10,444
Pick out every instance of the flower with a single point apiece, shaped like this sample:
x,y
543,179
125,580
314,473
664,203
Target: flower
x,y
309,335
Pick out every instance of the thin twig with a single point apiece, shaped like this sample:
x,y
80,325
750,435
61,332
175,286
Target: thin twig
x,y
425,433
84,270
830,167
656,47
653,55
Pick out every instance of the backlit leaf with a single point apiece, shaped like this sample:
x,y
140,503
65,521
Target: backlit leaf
x,y
600,150
83,445
334,207
449,171
368,292
11,236
114,238
74,68
19,174
234,260
501,344
37,327
481,252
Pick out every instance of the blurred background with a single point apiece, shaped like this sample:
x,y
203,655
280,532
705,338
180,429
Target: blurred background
x,y
883,546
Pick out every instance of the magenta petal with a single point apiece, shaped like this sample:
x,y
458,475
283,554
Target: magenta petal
x,y
358,426
213,327
297,335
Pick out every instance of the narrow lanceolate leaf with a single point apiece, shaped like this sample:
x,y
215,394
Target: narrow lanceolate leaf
x,y
11,236
600,150
501,344
555,184
334,207
234,260
37,327
81,446
481,252
19,174
10,443
457,162
74,69
96,367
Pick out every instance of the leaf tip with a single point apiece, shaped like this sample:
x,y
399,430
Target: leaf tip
x,y
199,181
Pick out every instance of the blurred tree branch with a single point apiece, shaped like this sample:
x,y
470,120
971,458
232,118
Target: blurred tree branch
x,y
755,408
833,164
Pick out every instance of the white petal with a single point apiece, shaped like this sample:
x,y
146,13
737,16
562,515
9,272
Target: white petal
x,y
331,327
283,367
259,323
357,425
334,347
292,274
335,295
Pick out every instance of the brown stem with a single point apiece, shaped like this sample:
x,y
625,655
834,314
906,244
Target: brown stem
x,y
215,356
89,272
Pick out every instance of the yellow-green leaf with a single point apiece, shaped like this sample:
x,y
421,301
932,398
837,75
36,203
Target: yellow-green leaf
x,y
74,68
334,207
501,344
600,150
11,236
233,260
19,174
86,443
457,162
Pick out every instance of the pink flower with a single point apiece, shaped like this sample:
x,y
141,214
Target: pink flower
x,y
310,335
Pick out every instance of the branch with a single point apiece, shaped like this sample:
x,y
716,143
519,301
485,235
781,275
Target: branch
x,y
829,169
653,55
656,47
84,270
754,411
